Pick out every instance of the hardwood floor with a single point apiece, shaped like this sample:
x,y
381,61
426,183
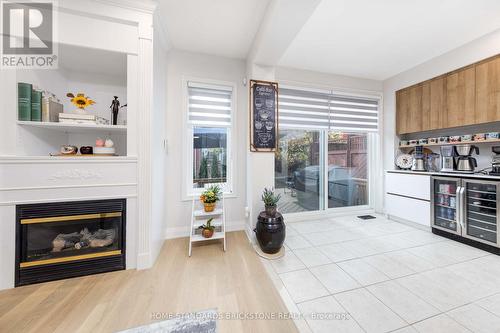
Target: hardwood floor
x,y
234,281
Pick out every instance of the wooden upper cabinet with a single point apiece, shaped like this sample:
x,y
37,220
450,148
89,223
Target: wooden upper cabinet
x,y
409,110
415,110
488,91
461,97
468,96
402,111
434,104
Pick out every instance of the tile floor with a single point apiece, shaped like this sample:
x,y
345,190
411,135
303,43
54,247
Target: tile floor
x,y
383,276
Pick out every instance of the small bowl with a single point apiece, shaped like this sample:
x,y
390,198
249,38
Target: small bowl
x,y
86,150
492,136
423,141
433,140
444,139
455,138
466,137
479,137
413,142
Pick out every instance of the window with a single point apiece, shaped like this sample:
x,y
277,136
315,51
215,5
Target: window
x,y
210,119
322,158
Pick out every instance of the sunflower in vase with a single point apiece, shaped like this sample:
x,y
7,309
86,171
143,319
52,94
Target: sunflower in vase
x,y
80,101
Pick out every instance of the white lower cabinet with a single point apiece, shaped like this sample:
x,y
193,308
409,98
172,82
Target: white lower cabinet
x,y
409,209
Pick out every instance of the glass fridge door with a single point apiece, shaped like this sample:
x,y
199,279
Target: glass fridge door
x,y
481,215
444,204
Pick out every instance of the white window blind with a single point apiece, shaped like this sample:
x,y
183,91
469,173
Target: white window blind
x,y
209,105
326,110
303,109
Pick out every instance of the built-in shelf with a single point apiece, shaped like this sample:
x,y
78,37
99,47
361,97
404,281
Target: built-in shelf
x,y
453,143
75,128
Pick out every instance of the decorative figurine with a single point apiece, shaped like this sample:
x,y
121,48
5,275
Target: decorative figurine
x,y
115,107
99,142
109,143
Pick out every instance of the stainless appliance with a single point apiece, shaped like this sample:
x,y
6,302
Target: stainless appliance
x,y
467,208
465,162
495,161
447,159
418,159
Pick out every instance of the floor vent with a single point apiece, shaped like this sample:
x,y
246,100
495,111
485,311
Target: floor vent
x,y
367,217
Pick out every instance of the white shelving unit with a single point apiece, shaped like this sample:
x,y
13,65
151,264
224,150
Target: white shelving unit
x,y
74,128
200,217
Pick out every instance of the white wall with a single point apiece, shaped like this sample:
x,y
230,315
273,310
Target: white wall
x,y
158,132
479,49
313,79
184,64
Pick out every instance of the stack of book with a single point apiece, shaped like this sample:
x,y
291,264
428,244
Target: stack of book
x,y
75,118
37,105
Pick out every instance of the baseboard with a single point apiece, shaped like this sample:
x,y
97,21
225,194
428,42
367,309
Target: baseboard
x,y
250,234
409,223
143,261
179,232
325,214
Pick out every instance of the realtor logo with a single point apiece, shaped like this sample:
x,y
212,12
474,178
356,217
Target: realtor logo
x,y
28,35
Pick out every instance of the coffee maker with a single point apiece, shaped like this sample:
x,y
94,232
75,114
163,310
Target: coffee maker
x,y
447,159
465,162
495,161
418,159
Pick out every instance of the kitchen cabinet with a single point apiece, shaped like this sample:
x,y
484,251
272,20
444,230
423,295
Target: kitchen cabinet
x,y
409,106
467,96
408,197
488,91
461,97
402,107
434,114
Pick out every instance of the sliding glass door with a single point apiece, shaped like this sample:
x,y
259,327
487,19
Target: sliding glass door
x,y
347,169
299,171
325,144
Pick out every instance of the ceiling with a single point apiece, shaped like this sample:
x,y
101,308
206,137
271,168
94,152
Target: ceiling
x,y
360,38
379,39
219,27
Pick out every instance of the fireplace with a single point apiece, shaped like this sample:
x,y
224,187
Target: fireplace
x,y
68,239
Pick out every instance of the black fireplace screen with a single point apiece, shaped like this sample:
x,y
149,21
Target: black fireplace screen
x,y
72,238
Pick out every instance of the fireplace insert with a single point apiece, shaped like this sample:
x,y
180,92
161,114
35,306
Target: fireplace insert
x,y
68,239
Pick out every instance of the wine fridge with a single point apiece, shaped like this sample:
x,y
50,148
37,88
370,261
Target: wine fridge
x,y
466,209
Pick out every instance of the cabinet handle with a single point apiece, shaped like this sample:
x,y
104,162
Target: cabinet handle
x,y
458,206
462,208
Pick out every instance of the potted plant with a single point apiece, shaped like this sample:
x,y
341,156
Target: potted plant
x,y
207,229
209,198
270,201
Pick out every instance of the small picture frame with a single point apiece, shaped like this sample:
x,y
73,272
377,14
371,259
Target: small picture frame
x,y
263,116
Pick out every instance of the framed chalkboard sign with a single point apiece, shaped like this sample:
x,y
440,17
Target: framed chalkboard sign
x,y
263,116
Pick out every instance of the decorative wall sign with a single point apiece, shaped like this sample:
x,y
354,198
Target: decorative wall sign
x,y
263,116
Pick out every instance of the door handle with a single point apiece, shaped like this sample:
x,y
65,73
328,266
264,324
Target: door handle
x,y
458,205
463,207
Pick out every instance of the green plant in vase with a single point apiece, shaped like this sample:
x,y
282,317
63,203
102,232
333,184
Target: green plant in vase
x,y
270,200
207,229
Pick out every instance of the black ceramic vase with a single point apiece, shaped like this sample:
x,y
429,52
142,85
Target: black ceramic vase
x,y
270,232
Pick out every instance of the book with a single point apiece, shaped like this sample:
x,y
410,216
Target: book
x,y
24,101
51,110
36,105
77,116
77,121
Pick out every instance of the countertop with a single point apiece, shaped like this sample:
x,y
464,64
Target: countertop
x,y
447,174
